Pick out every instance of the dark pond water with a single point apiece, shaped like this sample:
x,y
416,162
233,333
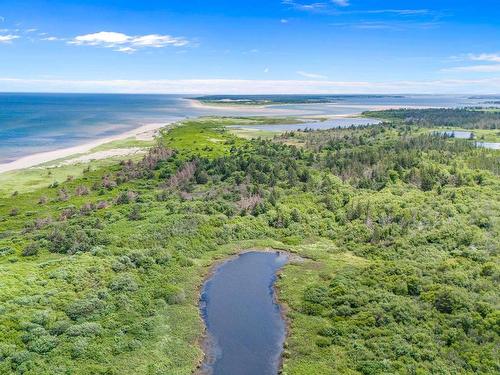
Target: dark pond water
x,y
245,328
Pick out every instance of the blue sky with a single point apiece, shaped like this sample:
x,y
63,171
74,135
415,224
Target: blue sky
x,y
271,46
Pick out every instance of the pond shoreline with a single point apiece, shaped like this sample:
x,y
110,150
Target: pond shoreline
x,y
204,342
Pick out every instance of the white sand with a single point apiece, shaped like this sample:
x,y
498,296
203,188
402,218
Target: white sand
x,y
146,132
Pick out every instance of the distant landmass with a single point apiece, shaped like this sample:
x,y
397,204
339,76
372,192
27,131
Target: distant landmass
x,y
284,99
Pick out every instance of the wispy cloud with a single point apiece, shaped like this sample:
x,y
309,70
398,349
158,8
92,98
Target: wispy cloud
x,y
126,43
234,86
486,68
387,25
341,3
492,65
51,38
316,6
490,57
8,38
402,12
311,75
308,7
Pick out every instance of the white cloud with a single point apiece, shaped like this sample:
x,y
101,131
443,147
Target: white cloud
x,y
489,85
490,57
31,30
125,43
8,38
51,38
158,41
102,38
492,68
311,75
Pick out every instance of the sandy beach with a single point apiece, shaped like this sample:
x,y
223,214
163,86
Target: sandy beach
x,y
145,132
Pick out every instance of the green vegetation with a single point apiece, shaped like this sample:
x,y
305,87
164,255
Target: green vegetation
x,y
483,135
467,118
100,274
57,171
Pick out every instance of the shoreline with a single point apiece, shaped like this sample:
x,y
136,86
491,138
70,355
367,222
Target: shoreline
x,y
149,131
144,132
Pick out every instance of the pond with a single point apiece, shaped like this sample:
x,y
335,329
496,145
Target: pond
x,y
245,326
316,125
461,134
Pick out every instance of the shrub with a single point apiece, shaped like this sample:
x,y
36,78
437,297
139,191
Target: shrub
x,y
43,344
175,295
323,342
59,327
447,300
87,329
124,283
6,251
135,213
31,249
79,347
81,190
140,259
126,197
21,357
83,308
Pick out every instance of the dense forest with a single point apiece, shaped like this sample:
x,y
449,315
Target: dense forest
x,y
399,229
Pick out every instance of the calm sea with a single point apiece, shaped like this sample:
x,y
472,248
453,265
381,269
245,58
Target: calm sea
x,y
32,123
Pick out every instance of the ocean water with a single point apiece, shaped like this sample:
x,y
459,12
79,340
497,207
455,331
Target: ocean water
x,y
33,123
